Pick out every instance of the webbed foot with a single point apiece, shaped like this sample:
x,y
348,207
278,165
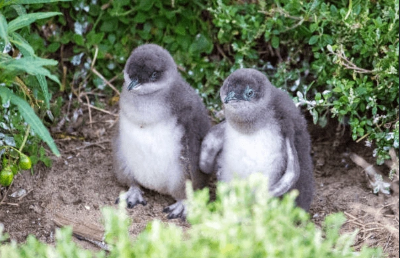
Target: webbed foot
x,y
133,197
176,210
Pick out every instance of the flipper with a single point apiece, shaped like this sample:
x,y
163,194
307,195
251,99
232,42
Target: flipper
x,y
211,147
292,173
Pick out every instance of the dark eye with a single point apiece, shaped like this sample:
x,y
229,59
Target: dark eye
x,y
154,75
248,93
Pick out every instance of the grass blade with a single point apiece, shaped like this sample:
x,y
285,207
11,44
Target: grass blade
x,y
31,118
43,85
27,19
28,51
3,28
22,44
32,65
10,2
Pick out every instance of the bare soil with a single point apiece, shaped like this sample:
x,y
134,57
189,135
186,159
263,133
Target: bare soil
x,y
81,182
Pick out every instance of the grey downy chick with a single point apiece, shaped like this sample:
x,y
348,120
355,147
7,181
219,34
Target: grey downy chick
x,y
263,132
161,126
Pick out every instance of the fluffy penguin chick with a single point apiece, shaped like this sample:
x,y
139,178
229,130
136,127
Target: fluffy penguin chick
x,y
264,132
161,126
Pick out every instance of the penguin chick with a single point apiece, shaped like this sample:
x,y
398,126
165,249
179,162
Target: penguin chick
x,y
162,122
263,132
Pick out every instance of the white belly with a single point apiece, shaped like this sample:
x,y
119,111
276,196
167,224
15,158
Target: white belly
x,y
152,153
244,154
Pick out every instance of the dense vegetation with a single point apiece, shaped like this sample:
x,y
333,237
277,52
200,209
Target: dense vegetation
x,y
336,58
243,222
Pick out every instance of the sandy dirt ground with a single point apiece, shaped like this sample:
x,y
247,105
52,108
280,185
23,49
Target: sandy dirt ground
x,y
81,182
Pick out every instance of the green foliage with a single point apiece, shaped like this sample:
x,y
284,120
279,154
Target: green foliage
x,y
244,221
18,66
29,116
341,58
103,34
337,59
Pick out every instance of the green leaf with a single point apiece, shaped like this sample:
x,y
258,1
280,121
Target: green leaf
x,y
31,65
15,2
22,44
94,38
43,85
275,42
27,19
180,29
201,44
3,28
313,40
78,39
31,118
145,5
313,27
140,17
53,47
314,113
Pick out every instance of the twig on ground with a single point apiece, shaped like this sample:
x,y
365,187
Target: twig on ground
x,y
385,223
21,197
100,109
92,144
386,245
9,203
375,179
88,231
89,110
93,69
87,144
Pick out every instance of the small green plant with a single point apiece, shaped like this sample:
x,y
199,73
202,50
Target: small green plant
x,y
244,221
23,87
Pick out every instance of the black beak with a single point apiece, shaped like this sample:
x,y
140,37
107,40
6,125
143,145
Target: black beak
x,y
133,84
229,97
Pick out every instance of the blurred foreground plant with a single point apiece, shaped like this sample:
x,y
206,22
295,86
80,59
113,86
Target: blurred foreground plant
x,y
244,221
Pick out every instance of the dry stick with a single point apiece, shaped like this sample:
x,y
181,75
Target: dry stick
x,y
89,232
375,213
351,65
106,81
95,56
371,229
100,109
354,222
10,203
223,54
20,198
371,172
350,215
354,218
64,79
25,138
93,144
386,245
89,110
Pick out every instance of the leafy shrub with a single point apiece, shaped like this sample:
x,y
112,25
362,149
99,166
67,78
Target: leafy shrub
x,y
336,58
244,221
107,31
23,87
340,58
